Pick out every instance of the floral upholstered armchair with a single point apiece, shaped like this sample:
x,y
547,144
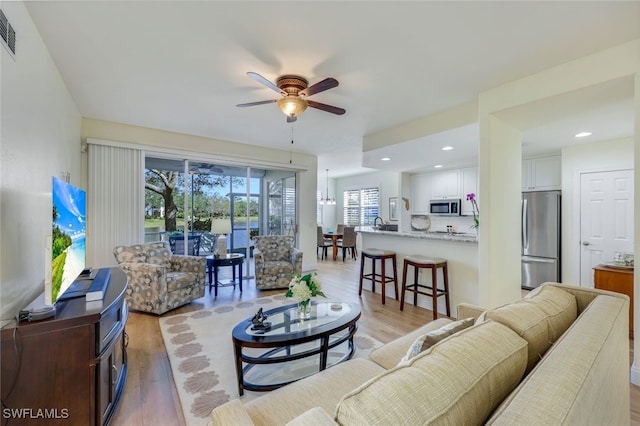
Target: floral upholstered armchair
x,y
276,261
158,280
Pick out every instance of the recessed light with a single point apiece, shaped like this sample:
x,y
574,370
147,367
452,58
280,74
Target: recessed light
x,y
385,159
582,134
437,166
447,148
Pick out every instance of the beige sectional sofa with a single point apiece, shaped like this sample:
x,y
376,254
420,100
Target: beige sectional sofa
x,y
560,356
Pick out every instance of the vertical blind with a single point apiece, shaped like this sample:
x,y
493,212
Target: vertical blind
x,y
115,201
361,205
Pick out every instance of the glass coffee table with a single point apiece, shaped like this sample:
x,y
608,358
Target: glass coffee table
x,y
292,348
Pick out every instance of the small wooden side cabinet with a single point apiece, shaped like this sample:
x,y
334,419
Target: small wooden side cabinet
x,y
69,369
618,280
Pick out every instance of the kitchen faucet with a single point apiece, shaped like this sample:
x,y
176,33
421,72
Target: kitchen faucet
x,y
376,220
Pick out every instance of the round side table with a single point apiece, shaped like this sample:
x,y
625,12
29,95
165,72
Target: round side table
x,y
231,259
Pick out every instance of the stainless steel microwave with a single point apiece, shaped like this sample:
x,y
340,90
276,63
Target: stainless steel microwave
x,y
449,207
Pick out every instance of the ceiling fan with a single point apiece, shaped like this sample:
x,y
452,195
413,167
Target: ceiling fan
x,y
295,91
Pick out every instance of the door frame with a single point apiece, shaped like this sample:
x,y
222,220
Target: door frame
x,y
577,212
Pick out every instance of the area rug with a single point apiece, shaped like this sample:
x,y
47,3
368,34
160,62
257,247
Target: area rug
x,y
200,352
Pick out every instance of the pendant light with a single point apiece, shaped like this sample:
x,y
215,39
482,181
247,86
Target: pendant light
x,y
328,201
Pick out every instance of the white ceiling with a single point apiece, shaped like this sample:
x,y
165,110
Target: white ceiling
x,y
181,66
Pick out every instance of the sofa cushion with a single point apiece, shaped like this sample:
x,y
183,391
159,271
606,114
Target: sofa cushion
x,y
179,280
323,389
424,342
460,380
540,320
560,307
390,354
529,322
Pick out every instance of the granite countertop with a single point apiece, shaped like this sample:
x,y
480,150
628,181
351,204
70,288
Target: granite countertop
x,y
459,237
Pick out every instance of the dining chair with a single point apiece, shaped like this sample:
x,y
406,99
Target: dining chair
x,y
176,242
348,242
323,243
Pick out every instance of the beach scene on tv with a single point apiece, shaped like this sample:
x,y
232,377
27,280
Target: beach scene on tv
x,y
68,235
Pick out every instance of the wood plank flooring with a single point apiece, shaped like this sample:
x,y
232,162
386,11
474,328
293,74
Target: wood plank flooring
x,y
150,396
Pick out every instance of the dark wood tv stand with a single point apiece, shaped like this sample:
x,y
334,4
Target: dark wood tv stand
x,y
70,369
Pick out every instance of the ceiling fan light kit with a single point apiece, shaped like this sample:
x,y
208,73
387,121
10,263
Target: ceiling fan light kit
x,y
292,106
295,89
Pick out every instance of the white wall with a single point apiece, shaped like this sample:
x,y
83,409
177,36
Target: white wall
x,y
40,139
599,156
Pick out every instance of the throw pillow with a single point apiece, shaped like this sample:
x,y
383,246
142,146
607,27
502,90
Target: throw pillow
x,y
459,381
529,322
559,305
540,320
427,340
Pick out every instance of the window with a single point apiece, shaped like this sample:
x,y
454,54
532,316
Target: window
x,y
361,206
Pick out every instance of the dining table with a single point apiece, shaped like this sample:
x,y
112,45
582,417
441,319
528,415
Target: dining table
x,y
334,236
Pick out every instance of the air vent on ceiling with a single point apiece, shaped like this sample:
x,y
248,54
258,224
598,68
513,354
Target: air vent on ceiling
x,y
7,33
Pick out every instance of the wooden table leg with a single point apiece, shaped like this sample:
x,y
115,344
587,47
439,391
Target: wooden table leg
x,y
237,349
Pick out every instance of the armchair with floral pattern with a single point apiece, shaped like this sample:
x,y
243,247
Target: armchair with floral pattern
x,y
276,261
158,280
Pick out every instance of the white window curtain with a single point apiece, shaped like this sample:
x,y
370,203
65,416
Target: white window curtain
x,y
115,201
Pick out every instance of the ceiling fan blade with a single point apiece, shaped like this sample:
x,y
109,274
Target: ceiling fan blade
x,y
256,103
260,79
321,86
291,119
324,107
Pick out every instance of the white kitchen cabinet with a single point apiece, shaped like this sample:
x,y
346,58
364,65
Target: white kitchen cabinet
x,y
469,184
420,193
445,184
542,174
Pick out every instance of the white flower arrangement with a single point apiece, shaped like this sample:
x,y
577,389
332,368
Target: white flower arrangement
x,y
304,288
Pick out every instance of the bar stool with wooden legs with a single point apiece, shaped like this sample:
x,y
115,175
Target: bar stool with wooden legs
x,y
378,255
418,262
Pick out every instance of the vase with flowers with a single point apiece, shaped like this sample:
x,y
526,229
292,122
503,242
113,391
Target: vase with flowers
x,y
303,289
476,212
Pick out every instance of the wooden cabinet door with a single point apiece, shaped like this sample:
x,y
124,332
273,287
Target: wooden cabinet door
x,y
618,280
110,372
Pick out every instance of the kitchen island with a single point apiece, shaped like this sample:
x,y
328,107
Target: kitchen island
x,y
459,249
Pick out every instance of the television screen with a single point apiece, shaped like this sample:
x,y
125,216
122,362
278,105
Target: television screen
x,y
68,254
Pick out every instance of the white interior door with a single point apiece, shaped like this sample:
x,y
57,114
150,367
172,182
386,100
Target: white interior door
x,y
606,219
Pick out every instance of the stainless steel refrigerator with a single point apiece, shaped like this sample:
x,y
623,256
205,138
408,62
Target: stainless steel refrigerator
x,y
540,238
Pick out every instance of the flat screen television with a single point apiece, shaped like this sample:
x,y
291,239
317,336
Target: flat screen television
x,y
68,250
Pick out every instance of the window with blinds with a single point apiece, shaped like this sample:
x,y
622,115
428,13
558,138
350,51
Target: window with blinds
x,y
361,206
318,208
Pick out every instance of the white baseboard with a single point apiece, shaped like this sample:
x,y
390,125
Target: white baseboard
x,y
635,374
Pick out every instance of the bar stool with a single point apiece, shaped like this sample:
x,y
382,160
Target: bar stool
x,y
433,263
382,255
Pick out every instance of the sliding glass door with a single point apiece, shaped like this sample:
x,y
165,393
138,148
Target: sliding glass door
x,y
280,204
193,198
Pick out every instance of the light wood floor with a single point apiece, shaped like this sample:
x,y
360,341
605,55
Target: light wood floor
x,y
150,396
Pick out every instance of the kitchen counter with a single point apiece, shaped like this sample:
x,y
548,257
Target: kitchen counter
x,y
460,237
460,251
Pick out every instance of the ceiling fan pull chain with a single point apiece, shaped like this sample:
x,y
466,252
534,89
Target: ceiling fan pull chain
x,y
291,146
